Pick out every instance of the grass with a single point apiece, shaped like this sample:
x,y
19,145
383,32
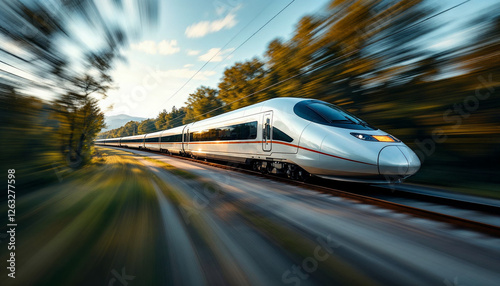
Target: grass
x,y
101,218
178,172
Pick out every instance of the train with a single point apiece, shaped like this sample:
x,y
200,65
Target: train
x,y
296,137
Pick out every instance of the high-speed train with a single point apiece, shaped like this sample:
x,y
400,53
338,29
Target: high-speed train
x,y
293,136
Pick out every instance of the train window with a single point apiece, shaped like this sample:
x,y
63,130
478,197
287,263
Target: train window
x,y
234,132
329,114
267,130
131,141
172,138
280,135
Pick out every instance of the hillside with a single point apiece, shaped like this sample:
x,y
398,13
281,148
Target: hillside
x,y
116,121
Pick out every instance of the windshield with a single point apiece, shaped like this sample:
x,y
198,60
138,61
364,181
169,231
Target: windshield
x,y
329,114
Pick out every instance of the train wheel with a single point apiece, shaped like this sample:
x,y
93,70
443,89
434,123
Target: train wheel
x,y
256,166
303,175
269,168
291,172
295,172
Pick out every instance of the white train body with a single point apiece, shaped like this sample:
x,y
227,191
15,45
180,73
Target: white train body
x,y
290,135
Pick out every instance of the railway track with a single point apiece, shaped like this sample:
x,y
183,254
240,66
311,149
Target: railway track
x,y
370,194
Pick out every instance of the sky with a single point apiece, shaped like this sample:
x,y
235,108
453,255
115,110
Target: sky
x,y
190,33
161,58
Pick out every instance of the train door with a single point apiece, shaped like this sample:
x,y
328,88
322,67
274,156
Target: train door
x,y
185,139
267,127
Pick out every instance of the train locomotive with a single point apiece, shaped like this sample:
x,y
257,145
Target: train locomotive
x,y
292,136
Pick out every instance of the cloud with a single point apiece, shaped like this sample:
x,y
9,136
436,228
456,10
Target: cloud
x,y
186,73
188,65
193,52
203,28
149,47
216,53
163,48
222,8
168,47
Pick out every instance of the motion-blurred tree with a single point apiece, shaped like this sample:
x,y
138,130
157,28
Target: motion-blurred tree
x,y
167,120
130,128
175,117
482,53
36,29
241,80
200,103
160,121
146,126
81,118
35,37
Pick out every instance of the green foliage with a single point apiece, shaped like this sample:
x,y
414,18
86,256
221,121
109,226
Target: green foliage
x,y
40,138
146,126
130,128
174,118
78,111
203,103
27,139
241,80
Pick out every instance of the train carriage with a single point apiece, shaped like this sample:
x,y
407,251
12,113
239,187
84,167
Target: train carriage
x,y
171,140
113,142
152,141
136,141
293,136
100,142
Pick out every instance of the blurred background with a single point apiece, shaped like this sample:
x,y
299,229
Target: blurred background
x,y
426,72
71,71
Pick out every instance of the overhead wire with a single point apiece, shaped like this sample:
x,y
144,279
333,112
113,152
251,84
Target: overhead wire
x,y
319,67
221,49
258,30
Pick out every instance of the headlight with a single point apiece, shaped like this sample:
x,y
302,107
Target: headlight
x,y
376,138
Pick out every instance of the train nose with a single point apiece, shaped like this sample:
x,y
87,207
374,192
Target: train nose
x,y
397,160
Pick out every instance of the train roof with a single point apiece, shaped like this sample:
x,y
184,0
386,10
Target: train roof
x,y
285,104
132,137
278,103
157,133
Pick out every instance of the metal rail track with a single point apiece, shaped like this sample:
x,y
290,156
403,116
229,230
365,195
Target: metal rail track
x,y
484,228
